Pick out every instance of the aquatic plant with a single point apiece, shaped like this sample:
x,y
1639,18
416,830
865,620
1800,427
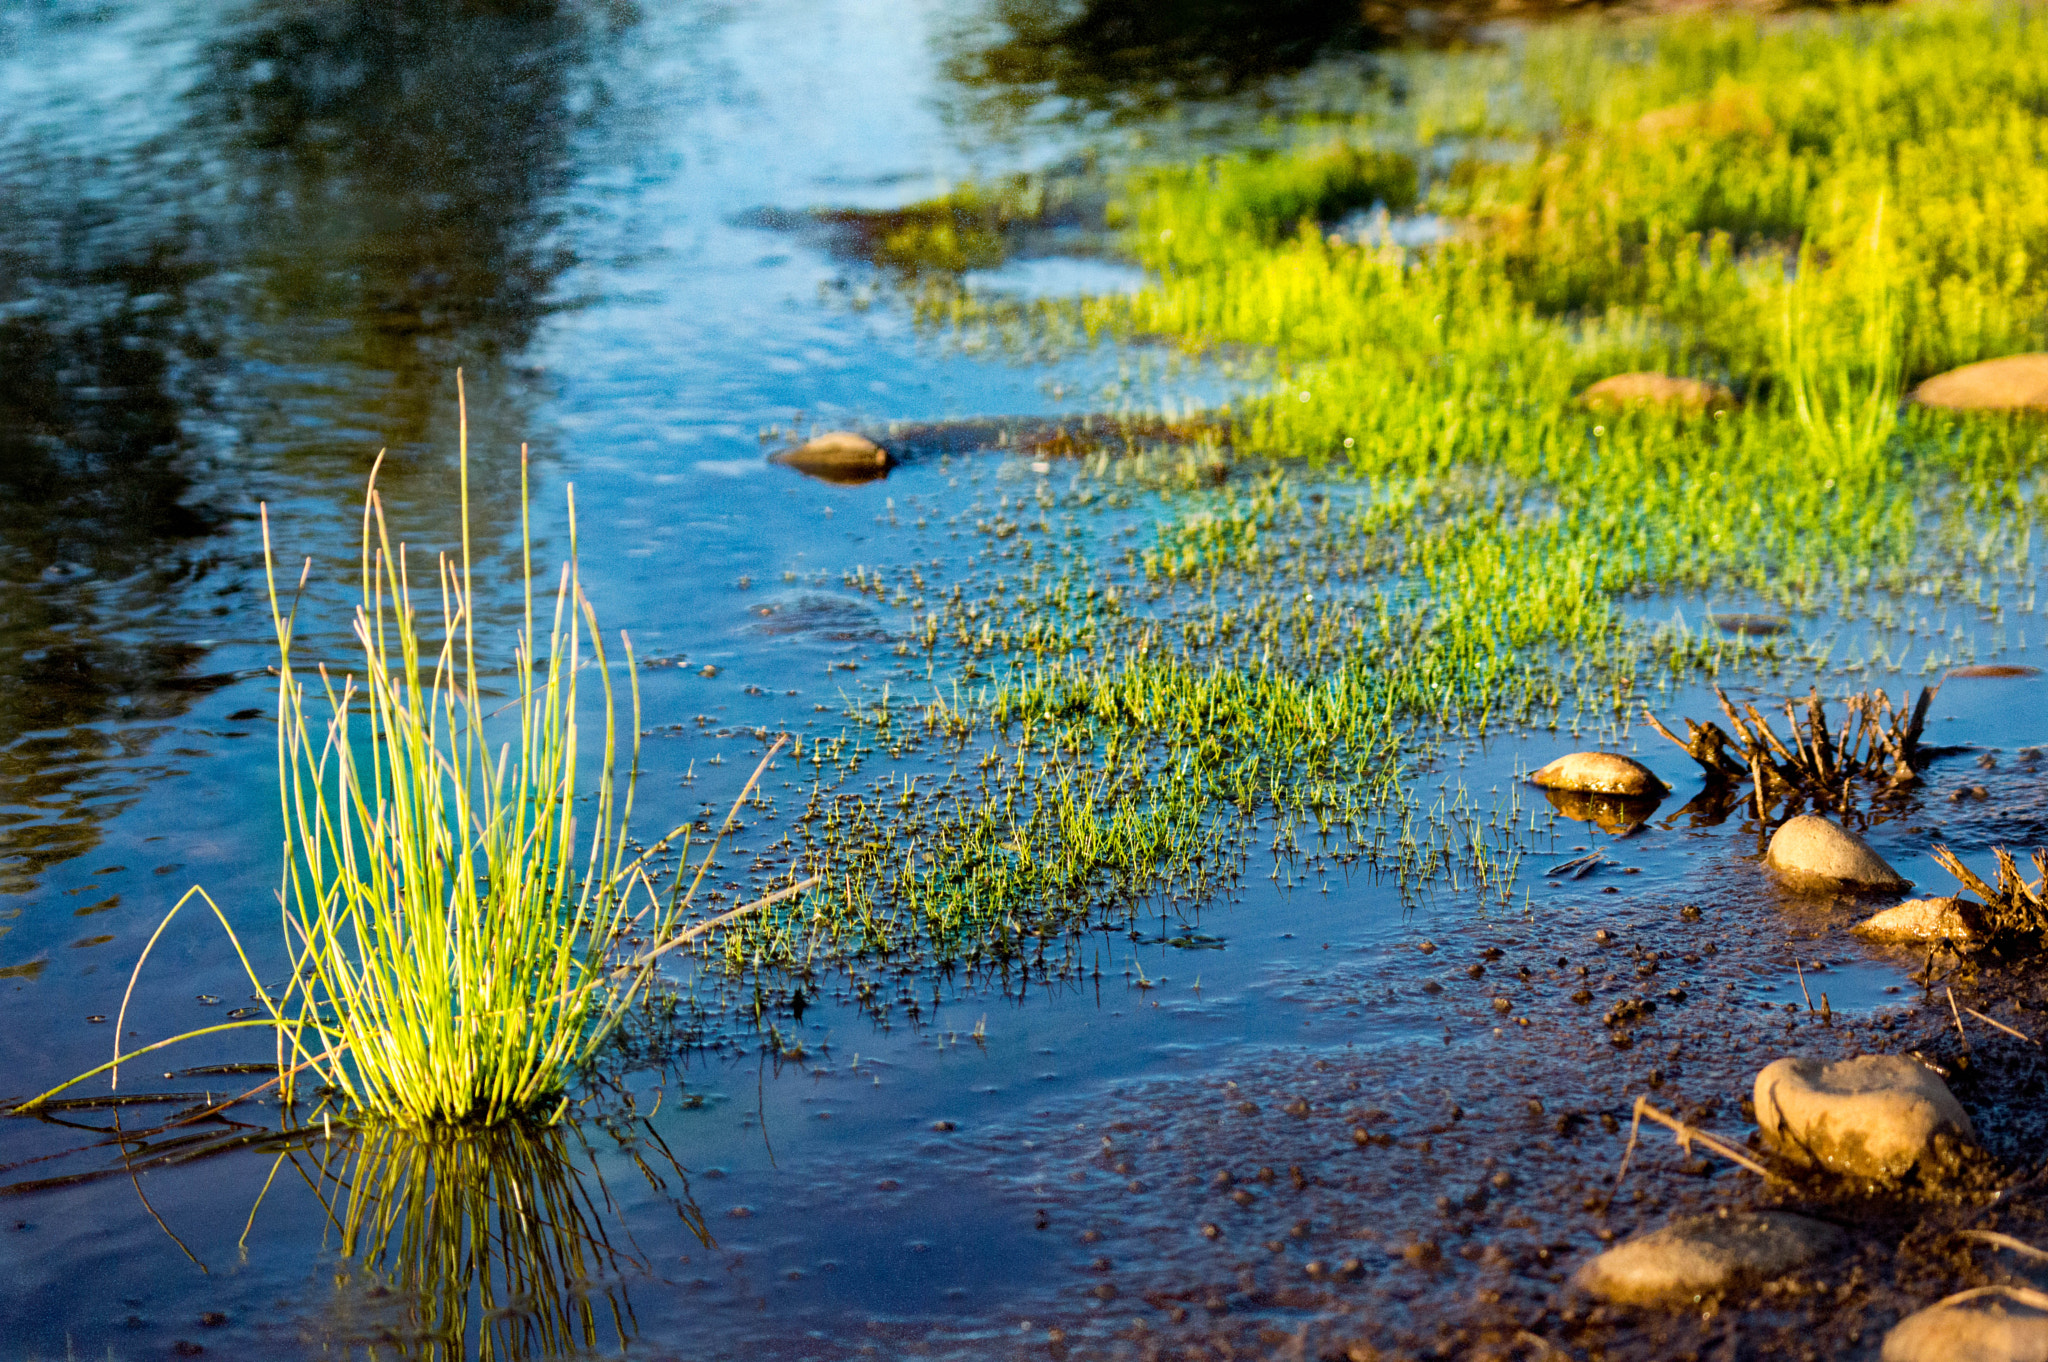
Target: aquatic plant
x,y
458,946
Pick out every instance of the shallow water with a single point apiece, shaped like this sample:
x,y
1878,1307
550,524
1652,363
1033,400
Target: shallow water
x,y
247,248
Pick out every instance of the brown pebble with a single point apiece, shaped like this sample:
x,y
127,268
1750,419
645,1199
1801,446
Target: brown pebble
x,y
1992,670
2012,383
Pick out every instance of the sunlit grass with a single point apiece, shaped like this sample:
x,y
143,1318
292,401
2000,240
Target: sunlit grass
x,y
458,896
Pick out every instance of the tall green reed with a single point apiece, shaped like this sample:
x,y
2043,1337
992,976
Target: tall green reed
x,y
456,904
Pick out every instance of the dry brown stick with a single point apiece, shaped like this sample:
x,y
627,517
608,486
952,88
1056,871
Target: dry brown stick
x,y
1965,876
684,938
2005,1241
1808,760
1957,1015
1993,1021
1771,737
1685,1136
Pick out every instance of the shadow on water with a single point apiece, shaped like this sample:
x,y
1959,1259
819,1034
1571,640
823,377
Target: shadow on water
x,y
486,1244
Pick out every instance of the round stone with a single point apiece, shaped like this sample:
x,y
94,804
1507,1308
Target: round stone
x,y
1876,1116
1656,390
837,456
1987,1324
1607,773
1709,1255
1810,852
1919,920
2010,384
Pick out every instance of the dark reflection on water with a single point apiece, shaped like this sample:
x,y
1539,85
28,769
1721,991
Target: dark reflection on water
x,y
100,523
1137,55
279,277
489,1244
397,164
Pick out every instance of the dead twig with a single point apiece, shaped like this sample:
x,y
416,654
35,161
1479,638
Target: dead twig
x,y
1993,1021
2006,1241
1875,743
1686,1136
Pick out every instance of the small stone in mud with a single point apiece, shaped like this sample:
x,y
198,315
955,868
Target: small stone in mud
x,y
1600,773
1977,792
837,456
1992,670
2009,384
1811,852
1988,1324
1648,389
1709,1255
1212,1231
1939,919
1877,1116
1426,947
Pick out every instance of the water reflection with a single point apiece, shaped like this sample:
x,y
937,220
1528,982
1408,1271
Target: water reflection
x,y
100,524
398,165
1135,56
487,1244
276,273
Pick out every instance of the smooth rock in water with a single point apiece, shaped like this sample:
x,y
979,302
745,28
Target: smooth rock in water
x,y
1877,1116
1706,1255
2010,384
1657,390
1982,670
1811,852
837,456
1919,920
1607,773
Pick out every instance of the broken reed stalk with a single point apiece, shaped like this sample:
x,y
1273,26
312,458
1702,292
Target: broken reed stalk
x,y
1686,1136
1875,743
2014,912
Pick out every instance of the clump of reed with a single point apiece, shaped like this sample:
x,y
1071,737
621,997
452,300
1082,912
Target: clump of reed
x,y
457,896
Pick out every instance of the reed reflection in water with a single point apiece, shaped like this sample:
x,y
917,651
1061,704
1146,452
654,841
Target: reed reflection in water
x,y
485,1243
